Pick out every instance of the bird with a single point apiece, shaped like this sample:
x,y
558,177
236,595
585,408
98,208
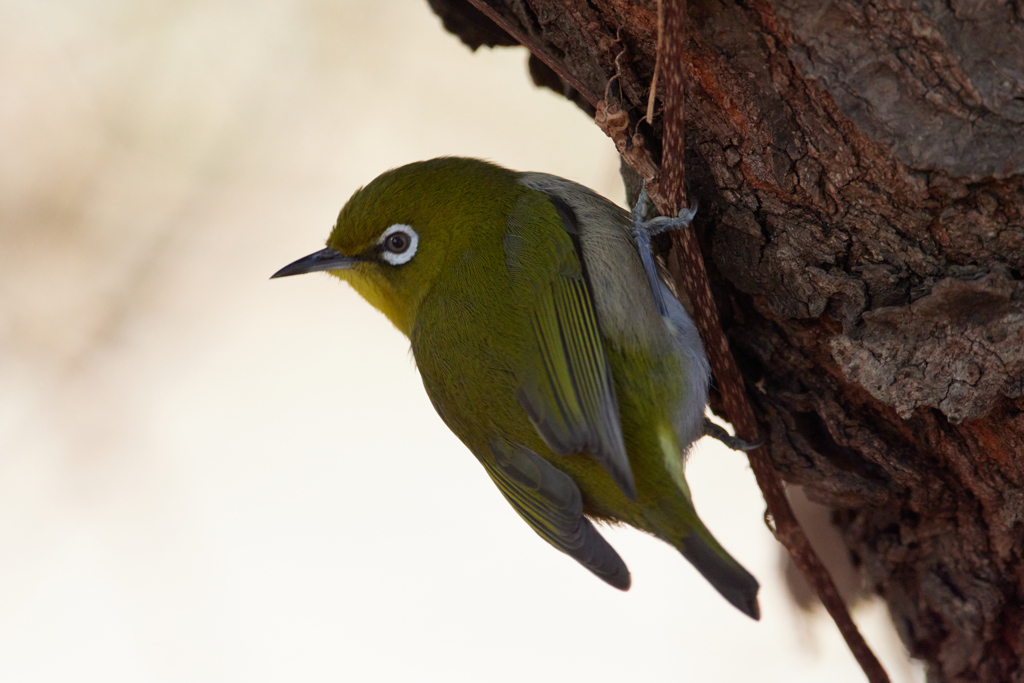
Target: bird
x,y
549,347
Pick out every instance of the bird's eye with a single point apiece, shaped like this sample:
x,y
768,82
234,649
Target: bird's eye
x,y
398,244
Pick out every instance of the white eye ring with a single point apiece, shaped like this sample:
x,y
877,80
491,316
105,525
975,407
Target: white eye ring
x,y
395,251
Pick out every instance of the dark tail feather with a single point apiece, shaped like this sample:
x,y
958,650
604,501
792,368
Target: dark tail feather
x,y
724,573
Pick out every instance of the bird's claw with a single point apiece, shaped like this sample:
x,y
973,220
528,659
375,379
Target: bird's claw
x,y
658,224
733,442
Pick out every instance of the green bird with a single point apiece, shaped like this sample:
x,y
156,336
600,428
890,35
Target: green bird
x,y
569,370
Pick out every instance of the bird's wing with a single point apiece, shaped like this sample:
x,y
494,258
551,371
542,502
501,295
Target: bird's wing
x,y
550,502
566,382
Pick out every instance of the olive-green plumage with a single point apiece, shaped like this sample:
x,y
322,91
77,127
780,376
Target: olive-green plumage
x,y
540,345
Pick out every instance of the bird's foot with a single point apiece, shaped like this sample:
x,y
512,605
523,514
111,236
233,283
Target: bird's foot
x,y
658,224
733,442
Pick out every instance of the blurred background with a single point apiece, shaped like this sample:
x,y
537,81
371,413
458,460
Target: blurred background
x,y
208,476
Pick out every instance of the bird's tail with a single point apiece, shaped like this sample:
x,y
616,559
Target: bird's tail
x,y
728,577
698,546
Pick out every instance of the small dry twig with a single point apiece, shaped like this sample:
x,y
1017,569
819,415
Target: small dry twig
x,y
611,118
657,62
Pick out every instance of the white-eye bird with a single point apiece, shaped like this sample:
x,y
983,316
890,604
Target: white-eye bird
x,y
541,345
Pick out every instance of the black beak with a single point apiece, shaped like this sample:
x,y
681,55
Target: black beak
x,y
325,259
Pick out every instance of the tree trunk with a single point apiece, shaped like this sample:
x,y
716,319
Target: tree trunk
x,y
860,171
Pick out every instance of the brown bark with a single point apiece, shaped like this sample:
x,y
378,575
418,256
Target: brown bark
x,y
859,168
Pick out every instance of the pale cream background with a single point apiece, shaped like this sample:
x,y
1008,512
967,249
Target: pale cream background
x,y
207,476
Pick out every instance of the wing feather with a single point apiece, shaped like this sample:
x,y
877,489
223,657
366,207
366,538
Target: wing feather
x,y
551,504
567,388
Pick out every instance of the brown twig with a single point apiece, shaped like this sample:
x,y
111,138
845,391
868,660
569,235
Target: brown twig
x,y
734,397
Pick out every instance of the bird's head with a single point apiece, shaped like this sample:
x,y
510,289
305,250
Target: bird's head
x,y
393,237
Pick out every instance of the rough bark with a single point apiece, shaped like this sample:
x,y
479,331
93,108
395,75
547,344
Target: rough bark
x,y
860,169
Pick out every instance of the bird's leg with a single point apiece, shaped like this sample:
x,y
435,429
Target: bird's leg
x,y
733,442
642,233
